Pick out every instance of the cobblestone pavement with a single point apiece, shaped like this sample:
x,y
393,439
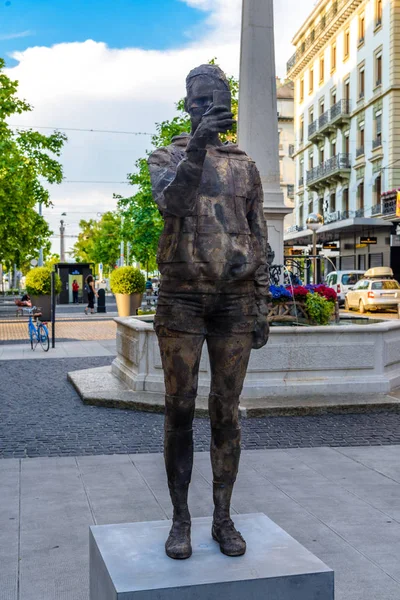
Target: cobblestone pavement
x,y
41,415
67,329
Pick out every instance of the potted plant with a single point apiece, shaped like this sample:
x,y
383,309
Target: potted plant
x,y
128,285
38,286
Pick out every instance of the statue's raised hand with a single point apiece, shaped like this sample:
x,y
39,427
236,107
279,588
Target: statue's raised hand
x,y
216,120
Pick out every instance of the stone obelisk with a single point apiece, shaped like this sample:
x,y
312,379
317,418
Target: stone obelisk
x,y
258,117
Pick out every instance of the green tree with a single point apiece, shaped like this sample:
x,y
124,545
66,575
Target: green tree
x,y
99,241
26,163
142,222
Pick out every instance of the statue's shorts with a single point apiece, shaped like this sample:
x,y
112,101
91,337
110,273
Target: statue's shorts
x,y
210,311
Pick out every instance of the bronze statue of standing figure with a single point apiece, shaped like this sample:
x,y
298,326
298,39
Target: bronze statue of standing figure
x,y
214,287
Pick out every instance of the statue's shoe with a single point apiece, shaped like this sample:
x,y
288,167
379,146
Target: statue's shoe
x,y
230,541
178,544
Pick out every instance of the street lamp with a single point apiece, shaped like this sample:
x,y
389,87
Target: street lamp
x,y
314,222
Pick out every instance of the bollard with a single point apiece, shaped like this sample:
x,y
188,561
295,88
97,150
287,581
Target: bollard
x,y
101,301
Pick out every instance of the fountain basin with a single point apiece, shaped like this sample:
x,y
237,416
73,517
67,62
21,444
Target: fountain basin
x,y
336,360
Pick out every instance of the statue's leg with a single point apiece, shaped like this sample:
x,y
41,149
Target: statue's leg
x,y
180,355
229,358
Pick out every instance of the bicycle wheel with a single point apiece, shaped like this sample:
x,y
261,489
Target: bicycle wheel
x,y
44,337
34,338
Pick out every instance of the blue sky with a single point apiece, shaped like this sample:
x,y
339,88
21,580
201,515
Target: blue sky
x,y
147,24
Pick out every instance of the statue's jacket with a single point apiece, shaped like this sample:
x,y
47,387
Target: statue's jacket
x,y
211,201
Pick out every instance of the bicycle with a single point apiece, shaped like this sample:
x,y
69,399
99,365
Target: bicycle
x,y
37,333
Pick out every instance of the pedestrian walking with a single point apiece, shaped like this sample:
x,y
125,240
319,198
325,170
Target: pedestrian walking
x,y
75,290
91,294
149,290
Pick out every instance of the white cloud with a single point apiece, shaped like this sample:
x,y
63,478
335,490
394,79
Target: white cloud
x,y
88,85
14,36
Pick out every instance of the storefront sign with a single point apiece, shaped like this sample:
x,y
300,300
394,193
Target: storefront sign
x,y
369,240
330,246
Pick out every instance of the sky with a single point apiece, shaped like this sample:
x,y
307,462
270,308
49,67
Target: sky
x,y
118,67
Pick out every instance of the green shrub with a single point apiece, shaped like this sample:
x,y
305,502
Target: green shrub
x,y
319,309
127,280
38,282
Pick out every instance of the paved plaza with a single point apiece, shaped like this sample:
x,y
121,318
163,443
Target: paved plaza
x,y
341,504
331,481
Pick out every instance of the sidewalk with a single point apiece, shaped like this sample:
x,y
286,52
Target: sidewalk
x,y
342,504
62,350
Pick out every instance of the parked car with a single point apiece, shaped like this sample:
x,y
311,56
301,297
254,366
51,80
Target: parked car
x,y
373,294
342,281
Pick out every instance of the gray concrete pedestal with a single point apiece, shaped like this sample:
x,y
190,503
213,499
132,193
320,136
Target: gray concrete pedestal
x,y
128,562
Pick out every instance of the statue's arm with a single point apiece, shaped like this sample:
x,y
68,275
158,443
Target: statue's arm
x,y
175,183
258,227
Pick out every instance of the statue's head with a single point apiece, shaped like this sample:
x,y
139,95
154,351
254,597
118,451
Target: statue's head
x,y
200,85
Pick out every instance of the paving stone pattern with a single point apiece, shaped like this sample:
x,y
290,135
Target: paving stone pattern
x,y
15,331
41,415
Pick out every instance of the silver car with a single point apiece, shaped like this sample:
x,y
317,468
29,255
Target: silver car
x,y
373,294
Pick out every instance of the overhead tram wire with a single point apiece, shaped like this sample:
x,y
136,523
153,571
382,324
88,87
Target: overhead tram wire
x,y
82,130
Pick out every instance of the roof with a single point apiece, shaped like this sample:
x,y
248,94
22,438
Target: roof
x,y
285,91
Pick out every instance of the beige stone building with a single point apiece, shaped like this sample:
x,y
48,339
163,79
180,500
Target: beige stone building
x,y
346,75
285,104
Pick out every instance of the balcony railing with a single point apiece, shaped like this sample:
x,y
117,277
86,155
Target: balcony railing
x,y
359,212
389,206
376,143
328,168
312,128
345,214
338,113
376,210
360,151
323,26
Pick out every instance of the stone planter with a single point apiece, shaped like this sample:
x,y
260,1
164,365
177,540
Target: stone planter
x,y
128,304
44,302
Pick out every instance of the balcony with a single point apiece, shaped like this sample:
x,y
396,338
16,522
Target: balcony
x,y
333,170
389,206
336,116
360,152
376,210
376,143
359,213
345,214
326,29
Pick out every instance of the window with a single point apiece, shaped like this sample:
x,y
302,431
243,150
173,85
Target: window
x,y
311,81
378,68
301,90
310,207
301,174
333,97
320,206
290,191
301,216
311,115
301,130
333,58
378,13
385,285
333,148
378,189
346,142
310,161
378,130
321,69
361,29
361,140
332,202
346,50
361,82
291,149
322,107
360,196
321,155
345,200
346,91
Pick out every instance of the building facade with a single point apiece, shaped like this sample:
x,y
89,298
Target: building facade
x,y
285,104
346,74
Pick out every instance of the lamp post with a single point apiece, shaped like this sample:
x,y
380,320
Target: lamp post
x,y
314,222
62,238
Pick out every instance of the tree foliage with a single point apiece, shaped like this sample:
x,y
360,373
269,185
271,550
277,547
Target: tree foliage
x,y
142,222
99,241
26,163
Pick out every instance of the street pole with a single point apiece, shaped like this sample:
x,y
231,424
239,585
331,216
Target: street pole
x,y
122,258
53,309
40,261
128,253
315,256
62,241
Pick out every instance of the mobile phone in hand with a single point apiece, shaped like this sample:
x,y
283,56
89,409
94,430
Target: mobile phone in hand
x,y
222,98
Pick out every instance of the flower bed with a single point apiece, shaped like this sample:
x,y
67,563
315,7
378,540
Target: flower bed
x,y
313,304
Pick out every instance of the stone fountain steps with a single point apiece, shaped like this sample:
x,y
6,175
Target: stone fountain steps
x,y
99,387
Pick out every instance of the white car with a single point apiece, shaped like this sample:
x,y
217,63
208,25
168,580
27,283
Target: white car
x,y
342,281
373,294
